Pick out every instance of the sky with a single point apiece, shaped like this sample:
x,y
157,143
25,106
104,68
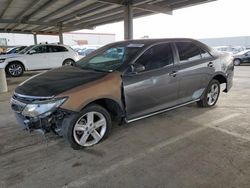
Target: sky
x,y
222,18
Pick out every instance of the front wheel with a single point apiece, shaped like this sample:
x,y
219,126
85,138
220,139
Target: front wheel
x,y
88,128
211,96
15,69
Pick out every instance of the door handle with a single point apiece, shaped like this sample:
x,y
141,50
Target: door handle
x,y
210,64
173,73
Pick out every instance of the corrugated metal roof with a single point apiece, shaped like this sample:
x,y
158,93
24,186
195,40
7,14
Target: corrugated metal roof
x,y
44,16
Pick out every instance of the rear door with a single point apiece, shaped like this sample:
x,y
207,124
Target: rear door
x,y
56,55
156,87
196,66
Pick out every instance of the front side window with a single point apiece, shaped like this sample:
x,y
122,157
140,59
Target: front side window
x,y
111,57
39,49
188,51
156,57
26,49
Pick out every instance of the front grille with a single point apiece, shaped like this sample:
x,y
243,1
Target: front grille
x,y
17,106
18,102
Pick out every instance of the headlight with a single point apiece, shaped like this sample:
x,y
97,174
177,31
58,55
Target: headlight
x,y
43,108
2,60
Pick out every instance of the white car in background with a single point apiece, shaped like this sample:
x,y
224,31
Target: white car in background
x,y
230,49
38,57
84,50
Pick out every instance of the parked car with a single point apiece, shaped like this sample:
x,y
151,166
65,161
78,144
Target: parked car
x,y
149,77
230,49
84,50
87,51
242,57
37,57
13,50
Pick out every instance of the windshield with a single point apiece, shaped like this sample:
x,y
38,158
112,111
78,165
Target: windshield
x,y
8,50
110,57
26,49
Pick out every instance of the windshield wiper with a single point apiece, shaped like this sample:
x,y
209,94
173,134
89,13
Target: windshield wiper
x,y
91,68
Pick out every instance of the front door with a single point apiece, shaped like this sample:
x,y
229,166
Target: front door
x,y
156,87
36,58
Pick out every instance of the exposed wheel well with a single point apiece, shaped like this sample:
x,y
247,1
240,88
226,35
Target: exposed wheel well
x,y
112,107
15,62
220,78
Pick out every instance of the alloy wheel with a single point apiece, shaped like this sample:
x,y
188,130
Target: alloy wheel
x,y
213,94
90,129
15,69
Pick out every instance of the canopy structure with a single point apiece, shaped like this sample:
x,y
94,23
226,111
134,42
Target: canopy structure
x,y
58,16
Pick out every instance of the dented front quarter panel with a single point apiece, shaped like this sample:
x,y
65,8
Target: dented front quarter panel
x,y
107,87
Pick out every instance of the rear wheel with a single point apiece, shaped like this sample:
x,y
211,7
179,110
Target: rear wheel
x,y
15,69
68,62
237,62
88,128
211,96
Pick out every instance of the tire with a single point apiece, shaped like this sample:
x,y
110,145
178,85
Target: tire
x,y
14,69
237,62
80,132
211,95
68,62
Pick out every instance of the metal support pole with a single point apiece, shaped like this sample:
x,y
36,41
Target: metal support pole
x,y
128,21
3,82
60,35
35,38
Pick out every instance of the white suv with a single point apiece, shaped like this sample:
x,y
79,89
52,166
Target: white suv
x,y
38,57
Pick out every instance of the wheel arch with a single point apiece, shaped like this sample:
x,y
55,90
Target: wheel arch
x,y
221,78
113,107
15,61
69,59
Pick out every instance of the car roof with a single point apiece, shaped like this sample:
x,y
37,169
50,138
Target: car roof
x,y
155,41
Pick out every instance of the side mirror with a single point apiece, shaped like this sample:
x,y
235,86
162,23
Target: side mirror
x,y
32,52
136,68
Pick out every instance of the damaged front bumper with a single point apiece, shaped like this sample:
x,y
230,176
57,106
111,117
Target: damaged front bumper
x,y
29,119
51,123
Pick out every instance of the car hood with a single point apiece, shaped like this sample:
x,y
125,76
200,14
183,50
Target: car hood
x,y
56,81
6,56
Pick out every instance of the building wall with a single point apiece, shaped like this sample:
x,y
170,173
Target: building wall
x,y
228,41
69,38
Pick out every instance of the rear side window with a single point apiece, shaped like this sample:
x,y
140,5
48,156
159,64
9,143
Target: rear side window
x,y
57,49
156,57
205,54
188,51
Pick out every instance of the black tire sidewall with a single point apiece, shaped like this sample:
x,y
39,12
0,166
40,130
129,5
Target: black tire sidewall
x,y
7,69
69,123
72,62
207,90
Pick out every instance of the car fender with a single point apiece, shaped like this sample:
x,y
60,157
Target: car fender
x,y
16,59
83,95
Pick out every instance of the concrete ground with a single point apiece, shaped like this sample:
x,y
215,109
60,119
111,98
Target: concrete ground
x,y
188,147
